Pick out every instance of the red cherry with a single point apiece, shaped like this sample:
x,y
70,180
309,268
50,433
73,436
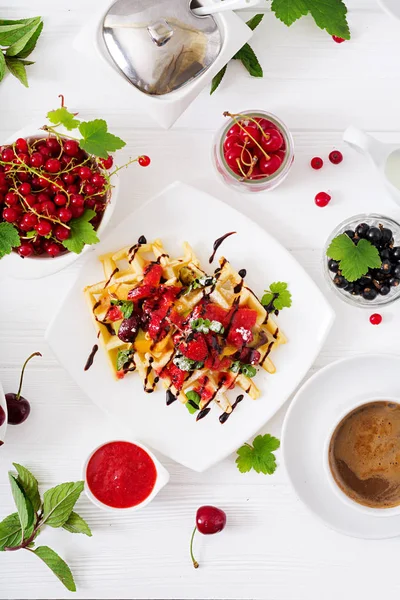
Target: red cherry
x,y
265,123
250,135
317,162
322,199
10,214
231,141
233,156
61,233
335,157
43,227
37,160
85,173
107,163
144,161
272,141
21,145
338,39
60,200
71,148
209,520
64,214
8,155
12,199
375,319
234,130
52,165
270,165
53,250
25,250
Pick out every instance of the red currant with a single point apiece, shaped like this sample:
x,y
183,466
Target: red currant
x,y
71,148
53,165
77,200
338,39
53,250
53,146
12,198
10,214
61,233
85,173
317,162
21,145
64,214
72,189
24,158
60,200
144,161
336,157
8,155
44,183
48,208
77,211
68,178
25,250
107,163
25,189
37,160
24,176
375,319
322,199
44,227
30,200
89,189
30,220
98,180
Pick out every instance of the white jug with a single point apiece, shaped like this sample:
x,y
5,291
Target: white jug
x,y
385,157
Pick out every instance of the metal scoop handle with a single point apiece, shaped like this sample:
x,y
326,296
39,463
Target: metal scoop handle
x,y
224,5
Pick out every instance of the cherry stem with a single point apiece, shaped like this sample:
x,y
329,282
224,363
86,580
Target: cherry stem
x,y
22,372
248,118
194,561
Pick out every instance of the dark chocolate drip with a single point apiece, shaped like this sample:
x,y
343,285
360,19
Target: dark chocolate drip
x,y
98,334
160,257
146,379
106,325
142,240
203,413
225,416
107,283
217,244
133,250
1,443
276,333
238,288
90,359
242,273
266,354
170,398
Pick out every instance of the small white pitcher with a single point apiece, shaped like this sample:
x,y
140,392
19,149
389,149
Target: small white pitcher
x,y
385,157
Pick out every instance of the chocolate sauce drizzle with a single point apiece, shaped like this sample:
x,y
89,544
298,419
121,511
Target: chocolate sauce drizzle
x,y
225,416
116,270
170,398
106,325
217,244
133,250
90,359
203,413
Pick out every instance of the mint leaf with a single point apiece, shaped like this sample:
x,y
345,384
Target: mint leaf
x,y
217,79
59,501
123,357
10,532
249,60
12,31
258,456
23,504
255,21
31,44
97,140
194,398
248,370
17,68
57,565
20,44
126,307
329,14
29,485
76,524
355,260
82,232
62,116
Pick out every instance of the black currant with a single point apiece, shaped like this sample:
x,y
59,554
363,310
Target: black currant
x,y
333,265
350,233
384,290
374,235
340,281
369,293
362,230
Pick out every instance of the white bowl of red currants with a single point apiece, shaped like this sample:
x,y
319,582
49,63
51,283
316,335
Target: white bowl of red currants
x,y
47,185
253,151
3,416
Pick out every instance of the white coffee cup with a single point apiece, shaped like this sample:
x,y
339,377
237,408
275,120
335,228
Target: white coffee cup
x,y
376,512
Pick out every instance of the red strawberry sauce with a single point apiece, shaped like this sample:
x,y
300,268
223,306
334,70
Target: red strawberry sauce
x,y
121,474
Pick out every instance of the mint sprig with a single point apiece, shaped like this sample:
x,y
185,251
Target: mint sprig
x,y
354,260
18,39
19,530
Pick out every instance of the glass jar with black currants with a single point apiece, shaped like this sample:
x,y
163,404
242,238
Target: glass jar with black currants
x,y
362,260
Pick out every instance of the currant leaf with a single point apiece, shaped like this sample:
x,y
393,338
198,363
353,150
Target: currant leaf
x,y
355,260
97,140
82,233
9,238
62,116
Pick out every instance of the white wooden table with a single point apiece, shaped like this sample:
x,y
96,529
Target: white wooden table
x,y
273,548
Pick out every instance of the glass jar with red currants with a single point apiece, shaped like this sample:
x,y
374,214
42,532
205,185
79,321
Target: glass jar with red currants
x,y
254,151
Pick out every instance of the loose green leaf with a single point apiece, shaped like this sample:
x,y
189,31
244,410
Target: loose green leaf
x,y
17,68
194,398
123,357
62,116
82,232
258,456
31,44
20,45
57,565
2,65
97,140
58,502
126,307
355,260
217,79
10,532
12,32
76,524
29,485
23,504
255,21
249,60
329,14
277,297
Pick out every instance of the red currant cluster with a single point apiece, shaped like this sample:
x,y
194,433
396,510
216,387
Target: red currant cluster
x,y
46,182
254,147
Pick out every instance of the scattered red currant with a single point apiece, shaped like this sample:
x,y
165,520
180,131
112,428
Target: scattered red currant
x,y
322,199
317,162
144,161
338,39
375,319
335,157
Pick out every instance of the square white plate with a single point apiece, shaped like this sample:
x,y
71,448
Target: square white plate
x,y
182,213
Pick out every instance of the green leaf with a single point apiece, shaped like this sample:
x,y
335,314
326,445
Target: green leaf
x,y
267,299
19,45
278,296
248,370
57,565
284,300
17,68
327,14
249,60
31,44
255,21
258,456
2,66
23,504
278,287
31,234
217,79
10,532
82,232
12,32
195,398
76,524
123,357
355,260
62,116
126,307
97,140
29,485
59,501
288,11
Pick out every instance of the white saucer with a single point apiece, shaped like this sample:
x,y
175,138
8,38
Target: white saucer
x,y
314,410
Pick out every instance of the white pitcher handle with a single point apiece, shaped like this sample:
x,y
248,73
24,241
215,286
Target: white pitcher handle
x,y
358,139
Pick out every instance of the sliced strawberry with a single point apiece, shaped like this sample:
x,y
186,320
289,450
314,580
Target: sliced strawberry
x,y
214,363
196,349
141,292
240,331
227,380
213,312
176,375
152,274
114,314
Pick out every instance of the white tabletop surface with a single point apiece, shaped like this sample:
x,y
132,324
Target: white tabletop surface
x,y
273,548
